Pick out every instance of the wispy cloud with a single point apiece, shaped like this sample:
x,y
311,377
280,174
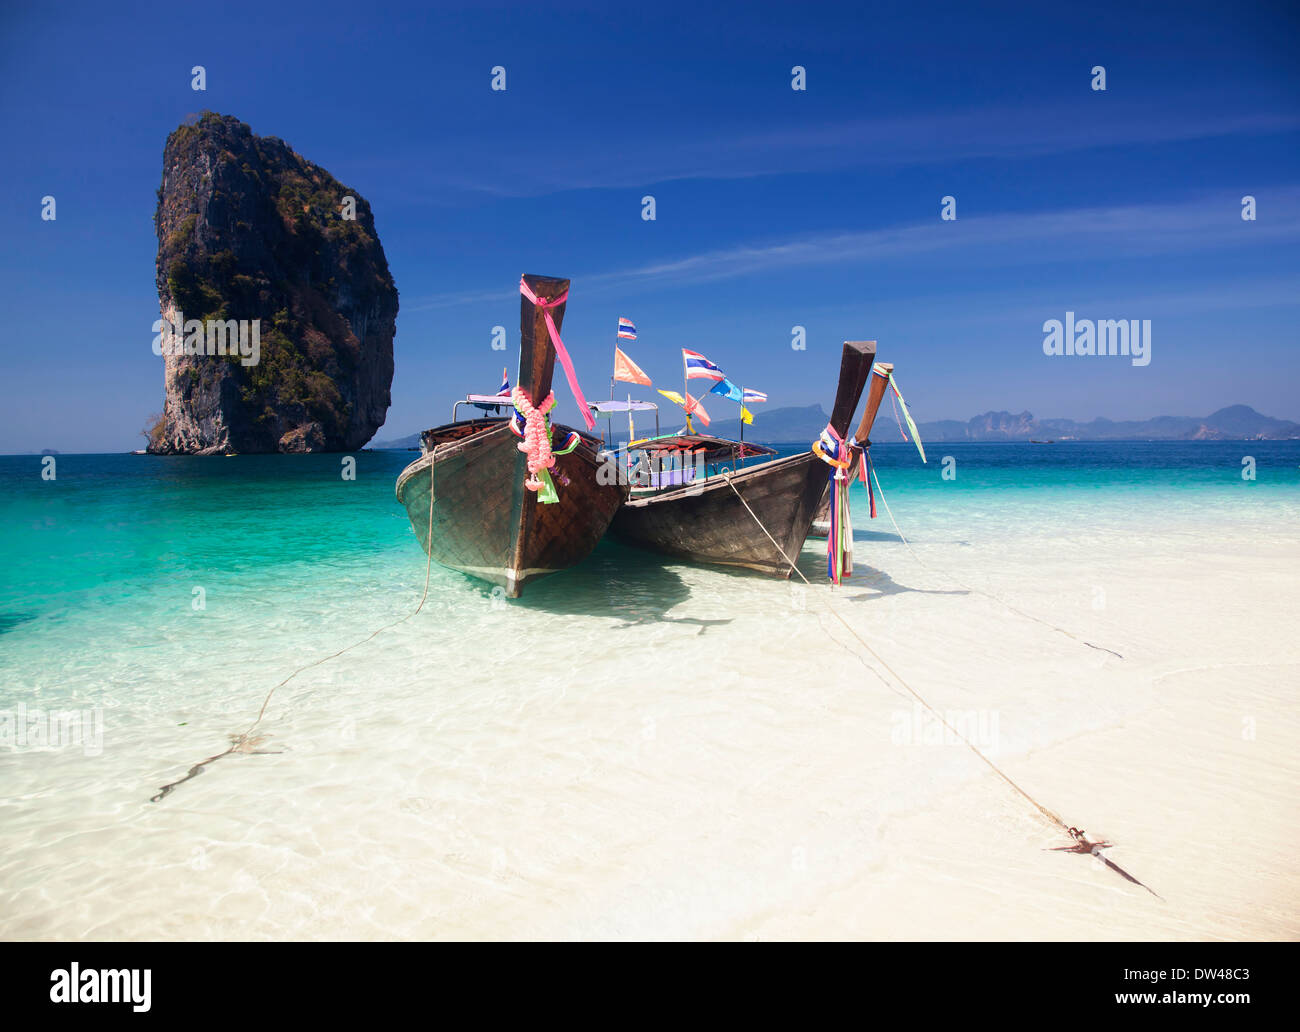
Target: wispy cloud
x,y
666,155
1017,238
1129,230
933,139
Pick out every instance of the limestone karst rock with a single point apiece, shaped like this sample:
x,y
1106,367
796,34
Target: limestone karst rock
x,y
252,238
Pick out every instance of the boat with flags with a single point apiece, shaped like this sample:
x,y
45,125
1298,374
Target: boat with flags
x,y
700,501
508,496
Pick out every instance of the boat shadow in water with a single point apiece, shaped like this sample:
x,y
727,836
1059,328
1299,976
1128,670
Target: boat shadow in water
x,y
627,585
876,535
812,564
11,620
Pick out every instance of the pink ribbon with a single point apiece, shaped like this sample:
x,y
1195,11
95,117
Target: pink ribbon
x,y
560,350
537,438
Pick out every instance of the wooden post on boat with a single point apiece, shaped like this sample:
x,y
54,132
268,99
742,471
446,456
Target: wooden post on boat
x,y
536,355
855,367
876,394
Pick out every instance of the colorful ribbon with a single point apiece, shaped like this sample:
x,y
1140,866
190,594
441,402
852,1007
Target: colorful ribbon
x,y
537,440
866,479
897,418
834,451
916,436
561,352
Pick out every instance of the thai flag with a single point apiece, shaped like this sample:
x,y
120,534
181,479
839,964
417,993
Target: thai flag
x,y
700,368
753,396
504,392
626,331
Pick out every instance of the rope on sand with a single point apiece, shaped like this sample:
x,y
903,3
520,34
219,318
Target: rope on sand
x,y
248,742
1081,842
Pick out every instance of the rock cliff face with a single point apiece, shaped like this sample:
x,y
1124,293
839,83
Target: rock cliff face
x,y
254,238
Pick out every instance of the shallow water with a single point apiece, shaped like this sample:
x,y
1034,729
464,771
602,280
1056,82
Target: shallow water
x,y
637,747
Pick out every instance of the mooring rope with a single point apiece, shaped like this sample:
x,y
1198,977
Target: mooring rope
x,y
727,478
1081,842
245,743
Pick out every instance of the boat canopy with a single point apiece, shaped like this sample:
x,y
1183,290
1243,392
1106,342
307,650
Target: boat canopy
x,y
623,406
608,409
484,402
713,447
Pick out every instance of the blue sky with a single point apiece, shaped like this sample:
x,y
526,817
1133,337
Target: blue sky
x,y
775,208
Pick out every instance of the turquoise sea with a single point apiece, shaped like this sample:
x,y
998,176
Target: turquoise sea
x,y
124,565
486,741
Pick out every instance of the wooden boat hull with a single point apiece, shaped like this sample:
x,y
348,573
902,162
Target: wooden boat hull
x,y
488,525
466,496
757,518
821,527
709,523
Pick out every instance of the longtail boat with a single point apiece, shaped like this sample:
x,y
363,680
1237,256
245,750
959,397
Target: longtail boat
x,y
755,517
489,496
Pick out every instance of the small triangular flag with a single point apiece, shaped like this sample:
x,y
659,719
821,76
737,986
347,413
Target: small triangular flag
x,y
627,370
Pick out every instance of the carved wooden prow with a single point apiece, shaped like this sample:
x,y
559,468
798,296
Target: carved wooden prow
x,y
855,367
876,394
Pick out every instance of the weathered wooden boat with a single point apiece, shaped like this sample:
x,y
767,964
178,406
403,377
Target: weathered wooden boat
x,y
756,517
469,497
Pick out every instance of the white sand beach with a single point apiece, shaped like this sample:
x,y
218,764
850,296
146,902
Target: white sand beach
x,y
1189,767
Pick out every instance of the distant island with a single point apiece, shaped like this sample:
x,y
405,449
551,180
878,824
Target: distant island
x,y
1234,423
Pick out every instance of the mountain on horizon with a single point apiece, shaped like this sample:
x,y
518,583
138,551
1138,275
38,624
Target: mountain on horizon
x,y
799,424
1234,423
